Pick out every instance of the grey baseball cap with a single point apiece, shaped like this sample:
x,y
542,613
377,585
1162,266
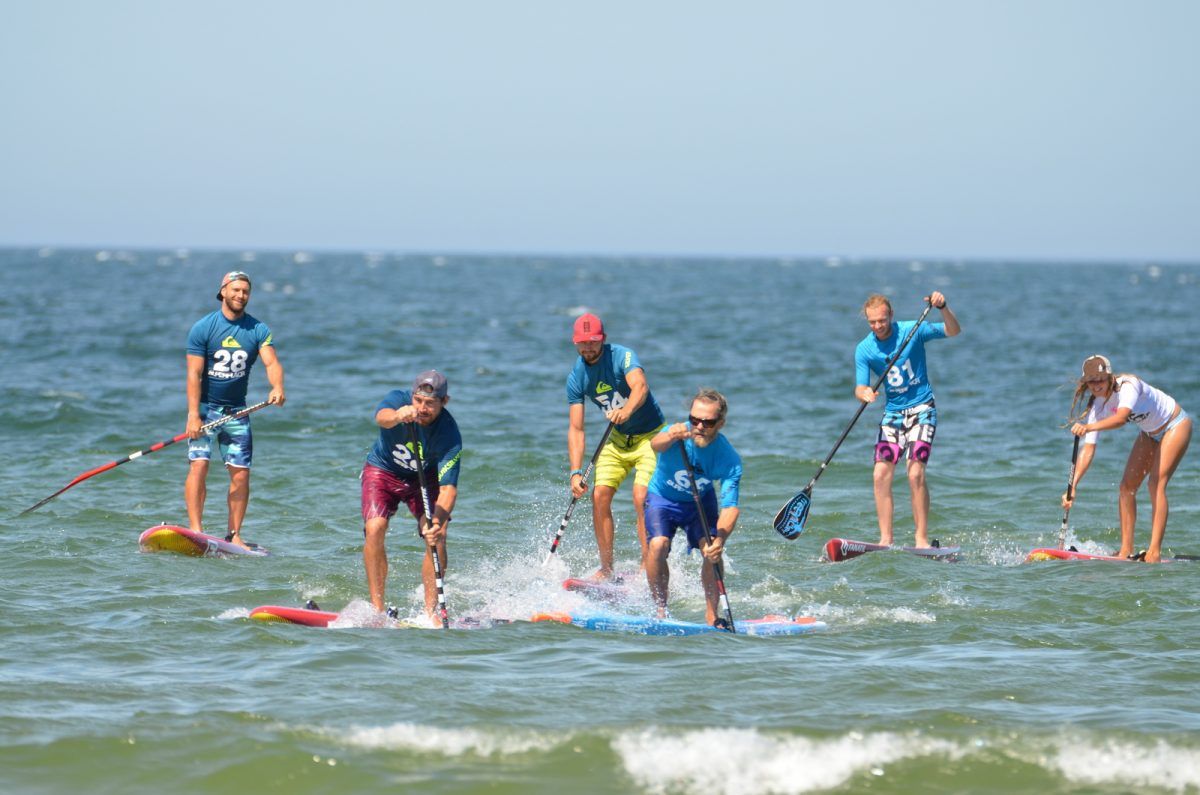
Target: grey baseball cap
x,y
430,382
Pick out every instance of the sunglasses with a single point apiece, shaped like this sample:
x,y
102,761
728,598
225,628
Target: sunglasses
x,y
699,423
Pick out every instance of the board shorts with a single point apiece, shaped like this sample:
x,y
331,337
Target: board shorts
x,y
1158,437
664,517
234,439
908,430
623,453
382,493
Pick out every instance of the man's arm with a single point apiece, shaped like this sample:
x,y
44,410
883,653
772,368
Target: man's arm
x,y
274,374
638,390
195,376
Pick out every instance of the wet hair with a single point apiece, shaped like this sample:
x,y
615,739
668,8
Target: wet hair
x,y
877,299
709,395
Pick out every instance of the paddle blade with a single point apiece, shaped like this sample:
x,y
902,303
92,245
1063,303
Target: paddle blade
x,y
789,522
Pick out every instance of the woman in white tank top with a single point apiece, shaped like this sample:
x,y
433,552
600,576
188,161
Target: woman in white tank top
x,y
1103,402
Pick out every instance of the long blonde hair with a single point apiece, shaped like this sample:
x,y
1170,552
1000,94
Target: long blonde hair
x,y
1081,406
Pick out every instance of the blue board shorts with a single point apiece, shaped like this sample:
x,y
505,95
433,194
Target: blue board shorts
x,y
664,517
908,431
234,439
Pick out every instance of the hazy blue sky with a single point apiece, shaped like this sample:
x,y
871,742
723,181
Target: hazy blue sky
x,y
892,128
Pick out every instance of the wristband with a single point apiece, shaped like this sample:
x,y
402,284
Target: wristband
x,y
575,472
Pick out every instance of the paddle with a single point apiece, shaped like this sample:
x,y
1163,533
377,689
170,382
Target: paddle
x,y
722,597
1062,531
437,559
152,448
562,527
789,522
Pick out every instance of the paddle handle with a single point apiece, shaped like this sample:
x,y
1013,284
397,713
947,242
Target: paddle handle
x,y
722,596
438,578
562,526
1062,531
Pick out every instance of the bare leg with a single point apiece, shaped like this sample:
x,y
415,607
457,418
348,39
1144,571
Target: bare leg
x,y
1141,459
639,510
194,493
375,559
239,498
883,499
1174,444
708,579
429,579
920,501
658,572
602,521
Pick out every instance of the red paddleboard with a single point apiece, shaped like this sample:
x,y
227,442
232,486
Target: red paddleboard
x,y
839,549
1051,553
293,615
172,538
613,590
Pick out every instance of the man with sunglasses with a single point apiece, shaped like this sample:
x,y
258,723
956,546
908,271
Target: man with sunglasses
x,y
671,505
611,377
221,348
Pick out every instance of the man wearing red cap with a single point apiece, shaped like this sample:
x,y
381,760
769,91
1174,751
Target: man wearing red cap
x,y
221,348
611,377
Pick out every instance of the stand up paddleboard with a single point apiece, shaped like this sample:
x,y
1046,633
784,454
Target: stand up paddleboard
x,y
839,549
172,538
1051,553
612,622
315,617
614,590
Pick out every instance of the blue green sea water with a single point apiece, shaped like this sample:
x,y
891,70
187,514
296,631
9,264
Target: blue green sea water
x,y
123,672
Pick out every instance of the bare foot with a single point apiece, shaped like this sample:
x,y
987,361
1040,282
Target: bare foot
x,y
235,537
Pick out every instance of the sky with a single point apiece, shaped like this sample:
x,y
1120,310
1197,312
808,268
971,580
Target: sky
x,y
1051,129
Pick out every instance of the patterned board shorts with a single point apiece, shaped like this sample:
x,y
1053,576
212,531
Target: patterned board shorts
x,y
908,430
624,453
234,439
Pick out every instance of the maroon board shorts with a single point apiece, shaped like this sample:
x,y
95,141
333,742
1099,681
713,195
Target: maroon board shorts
x,y
382,493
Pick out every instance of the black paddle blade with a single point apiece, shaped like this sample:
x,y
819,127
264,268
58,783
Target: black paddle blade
x,y
789,522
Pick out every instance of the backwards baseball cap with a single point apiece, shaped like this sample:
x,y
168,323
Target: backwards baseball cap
x,y
1096,366
588,328
233,276
430,382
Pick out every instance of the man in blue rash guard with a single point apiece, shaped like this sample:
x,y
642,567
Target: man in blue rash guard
x,y
221,348
670,504
612,378
390,478
910,417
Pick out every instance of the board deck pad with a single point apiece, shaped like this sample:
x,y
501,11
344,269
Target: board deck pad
x,y
839,549
181,540
643,625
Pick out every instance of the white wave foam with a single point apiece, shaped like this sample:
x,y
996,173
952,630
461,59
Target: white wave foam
x,y
1138,765
450,742
751,762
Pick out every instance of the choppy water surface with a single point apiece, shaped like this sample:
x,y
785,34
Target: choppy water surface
x,y
125,672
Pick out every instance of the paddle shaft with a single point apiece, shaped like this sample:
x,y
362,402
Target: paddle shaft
x,y
562,526
1062,531
437,559
863,406
152,448
722,596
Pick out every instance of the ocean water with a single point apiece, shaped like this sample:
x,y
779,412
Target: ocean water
x,y
123,672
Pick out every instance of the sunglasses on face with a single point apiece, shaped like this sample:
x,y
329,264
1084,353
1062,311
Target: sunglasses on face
x,y
700,423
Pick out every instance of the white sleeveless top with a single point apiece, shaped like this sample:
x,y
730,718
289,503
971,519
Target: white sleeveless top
x,y
1149,408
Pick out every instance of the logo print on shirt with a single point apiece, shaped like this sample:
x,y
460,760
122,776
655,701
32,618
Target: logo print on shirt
x,y
230,342
602,387
682,482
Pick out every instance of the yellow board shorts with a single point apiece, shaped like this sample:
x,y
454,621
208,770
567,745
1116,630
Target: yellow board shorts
x,y
623,453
